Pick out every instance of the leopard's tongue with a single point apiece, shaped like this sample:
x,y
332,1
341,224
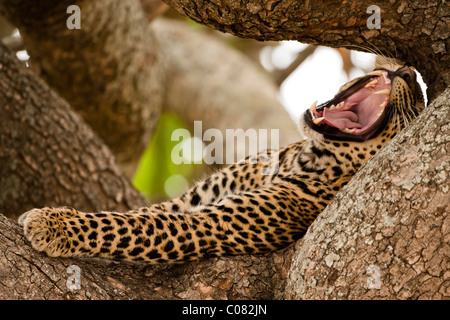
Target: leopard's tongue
x,y
341,119
358,111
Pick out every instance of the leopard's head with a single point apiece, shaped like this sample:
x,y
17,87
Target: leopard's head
x,y
388,97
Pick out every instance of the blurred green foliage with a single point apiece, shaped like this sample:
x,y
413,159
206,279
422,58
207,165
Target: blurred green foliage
x,y
156,165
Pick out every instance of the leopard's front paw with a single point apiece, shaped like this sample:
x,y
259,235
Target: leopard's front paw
x,y
46,229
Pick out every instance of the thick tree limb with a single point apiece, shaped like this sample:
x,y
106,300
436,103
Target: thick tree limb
x,y
391,221
413,31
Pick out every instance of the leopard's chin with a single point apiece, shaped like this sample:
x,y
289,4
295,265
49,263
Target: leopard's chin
x,y
357,113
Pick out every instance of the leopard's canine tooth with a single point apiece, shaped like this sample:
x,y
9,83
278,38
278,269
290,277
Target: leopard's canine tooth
x,y
318,120
313,107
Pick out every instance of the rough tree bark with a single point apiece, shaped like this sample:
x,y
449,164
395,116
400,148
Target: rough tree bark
x,y
422,272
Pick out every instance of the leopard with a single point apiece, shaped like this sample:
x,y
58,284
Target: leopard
x,y
247,207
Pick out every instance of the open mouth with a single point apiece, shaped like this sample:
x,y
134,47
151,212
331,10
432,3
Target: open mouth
x,y
356,113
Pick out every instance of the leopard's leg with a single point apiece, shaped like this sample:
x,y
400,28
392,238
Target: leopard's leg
x,y
250,222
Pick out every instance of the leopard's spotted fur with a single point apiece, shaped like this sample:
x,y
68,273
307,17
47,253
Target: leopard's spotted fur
x,y
237,210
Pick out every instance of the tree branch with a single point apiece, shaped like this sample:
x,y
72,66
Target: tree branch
x,y
153,8
27,274
281,75
413,31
